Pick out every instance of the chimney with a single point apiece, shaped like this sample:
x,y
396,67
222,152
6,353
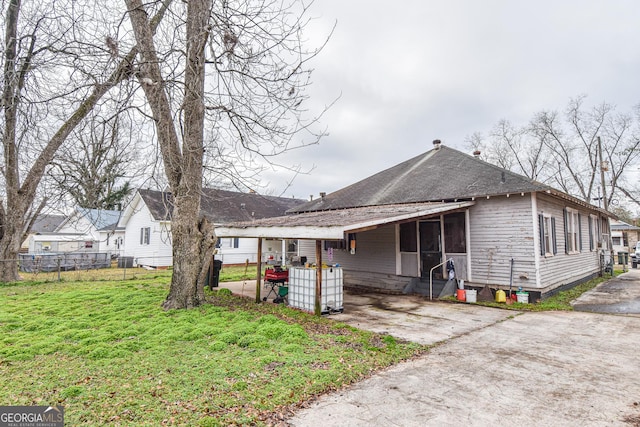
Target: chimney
x,y
436,144
476,154
322,194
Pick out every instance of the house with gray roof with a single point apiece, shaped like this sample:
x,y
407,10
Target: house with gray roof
x,y
43,224
396,230
77,232
147,224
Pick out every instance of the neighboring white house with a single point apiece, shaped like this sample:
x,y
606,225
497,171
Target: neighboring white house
x,y
79,232
146,222
624,236
44,224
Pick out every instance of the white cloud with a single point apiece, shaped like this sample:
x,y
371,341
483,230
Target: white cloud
x,y
411,71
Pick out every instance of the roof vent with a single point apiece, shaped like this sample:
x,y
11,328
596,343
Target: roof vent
x,y
322,194
476,153
436,144
243,205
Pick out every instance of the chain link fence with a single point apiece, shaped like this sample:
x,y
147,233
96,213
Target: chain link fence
x,y
88,266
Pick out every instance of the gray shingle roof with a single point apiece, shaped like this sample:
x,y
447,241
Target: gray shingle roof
x,y
46,223
221,206
442,174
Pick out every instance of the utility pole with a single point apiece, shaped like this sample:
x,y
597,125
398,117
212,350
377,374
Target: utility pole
x,y
602,182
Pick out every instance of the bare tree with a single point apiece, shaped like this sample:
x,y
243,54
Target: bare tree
x,y
239,68
94,167
562,149
54,72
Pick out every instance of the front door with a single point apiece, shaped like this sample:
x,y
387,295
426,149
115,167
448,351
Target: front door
x,y
430,250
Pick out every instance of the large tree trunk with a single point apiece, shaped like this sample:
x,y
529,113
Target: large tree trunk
x,y
185,291
191,237
10,245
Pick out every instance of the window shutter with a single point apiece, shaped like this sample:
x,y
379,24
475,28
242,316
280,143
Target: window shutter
x,y
566,230
541,226
142,236
591,245
553,236
580,232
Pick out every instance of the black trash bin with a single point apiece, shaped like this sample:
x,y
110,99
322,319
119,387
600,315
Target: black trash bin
x,y
213,279
623,258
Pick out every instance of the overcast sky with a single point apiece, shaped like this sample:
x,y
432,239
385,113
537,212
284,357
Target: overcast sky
x,y
411,71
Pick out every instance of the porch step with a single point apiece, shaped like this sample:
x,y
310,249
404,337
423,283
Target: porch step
x,y
422,287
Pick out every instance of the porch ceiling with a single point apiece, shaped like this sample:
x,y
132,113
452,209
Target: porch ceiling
x,y
335,224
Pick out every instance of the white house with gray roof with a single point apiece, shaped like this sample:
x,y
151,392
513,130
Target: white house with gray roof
x,y
395,230
147,225
78,232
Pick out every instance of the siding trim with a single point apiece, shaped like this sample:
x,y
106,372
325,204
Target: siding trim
x,y
467,226
543,246
536,238
398,254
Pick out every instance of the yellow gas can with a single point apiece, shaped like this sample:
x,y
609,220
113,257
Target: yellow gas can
x,y
501,296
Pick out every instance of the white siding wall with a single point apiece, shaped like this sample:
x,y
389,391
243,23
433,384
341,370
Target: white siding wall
x,y
158,252
79,225
247,250
562,268
111,246
502,228
375,252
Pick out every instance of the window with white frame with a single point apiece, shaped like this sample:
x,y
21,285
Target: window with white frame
x,y
548,244
145,235
572,230
593,232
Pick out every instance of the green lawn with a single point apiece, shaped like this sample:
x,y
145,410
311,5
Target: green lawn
x,y
109,354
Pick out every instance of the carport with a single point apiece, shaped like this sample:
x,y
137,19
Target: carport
x,y
332,225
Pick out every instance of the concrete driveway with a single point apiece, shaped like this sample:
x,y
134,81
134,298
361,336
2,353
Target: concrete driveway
x,y
489,367
535,369
619,295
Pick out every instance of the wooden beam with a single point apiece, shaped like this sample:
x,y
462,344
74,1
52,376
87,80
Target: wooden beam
x,y
318,301
259,272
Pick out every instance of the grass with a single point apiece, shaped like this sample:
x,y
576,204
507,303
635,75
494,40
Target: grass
x,y
558,302
107,352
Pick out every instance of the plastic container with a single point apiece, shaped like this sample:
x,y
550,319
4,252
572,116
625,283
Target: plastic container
x,y
302,289
471,295
522,297
461,295
501,296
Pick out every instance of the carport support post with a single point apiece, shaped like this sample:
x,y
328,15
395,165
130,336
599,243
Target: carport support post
x,y
318,308
259,272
